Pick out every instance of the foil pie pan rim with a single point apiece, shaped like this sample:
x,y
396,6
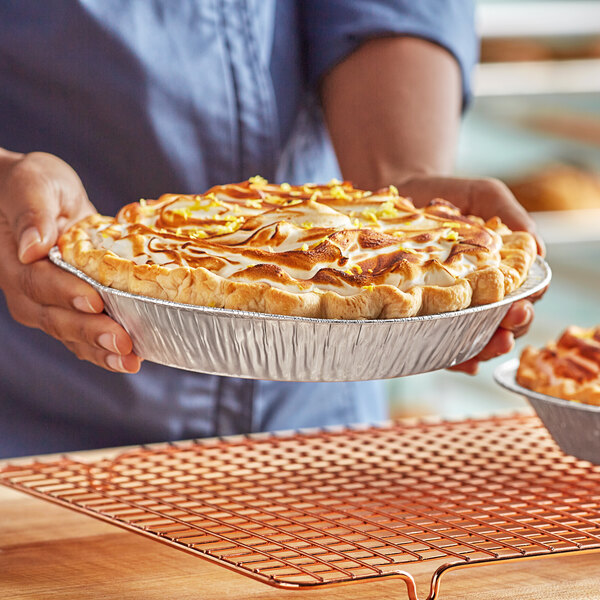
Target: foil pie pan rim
x,y
521,292
505,375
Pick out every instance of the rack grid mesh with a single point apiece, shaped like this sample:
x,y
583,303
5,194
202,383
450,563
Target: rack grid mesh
x,y
327,507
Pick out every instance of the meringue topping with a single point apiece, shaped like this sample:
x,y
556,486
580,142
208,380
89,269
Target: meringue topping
x,y
330,237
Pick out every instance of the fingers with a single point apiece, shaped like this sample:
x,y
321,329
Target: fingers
x,y
485,198
518,318
491,197
502,342
31,210
538,295
45,284
515,323
92,337
40,195
40,192
113,362
43,296
470,367
42,282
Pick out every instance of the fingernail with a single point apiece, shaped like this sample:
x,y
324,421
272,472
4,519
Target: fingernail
x,y
30,237
528,316
108,341
83,304
115,362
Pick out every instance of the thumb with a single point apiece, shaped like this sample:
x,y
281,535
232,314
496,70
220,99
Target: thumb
x,y
39,192
34,220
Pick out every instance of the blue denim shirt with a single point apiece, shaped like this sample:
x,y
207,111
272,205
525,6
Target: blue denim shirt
x,y
144,97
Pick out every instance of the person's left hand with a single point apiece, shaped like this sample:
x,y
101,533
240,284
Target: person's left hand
x,y
485,198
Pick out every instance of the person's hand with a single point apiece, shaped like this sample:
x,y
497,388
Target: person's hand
x,y
40,196
485,198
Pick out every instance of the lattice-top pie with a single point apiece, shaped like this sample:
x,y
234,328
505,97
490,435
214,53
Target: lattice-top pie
x,y
329,251
568,368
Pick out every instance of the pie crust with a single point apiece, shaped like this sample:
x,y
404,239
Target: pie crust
x,y
568,368
327,251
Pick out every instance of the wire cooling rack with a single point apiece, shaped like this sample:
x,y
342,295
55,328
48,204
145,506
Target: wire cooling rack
x,y
298,510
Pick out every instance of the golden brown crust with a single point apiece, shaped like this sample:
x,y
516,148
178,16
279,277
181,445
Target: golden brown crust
x,y
568,368
313,251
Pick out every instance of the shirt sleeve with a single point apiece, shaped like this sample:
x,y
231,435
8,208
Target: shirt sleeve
x,y
335,28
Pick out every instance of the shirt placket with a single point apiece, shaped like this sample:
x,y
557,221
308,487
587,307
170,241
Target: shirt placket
x,y
256,115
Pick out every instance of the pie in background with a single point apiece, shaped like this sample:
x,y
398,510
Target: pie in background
x,y
557,187
326,251
568,368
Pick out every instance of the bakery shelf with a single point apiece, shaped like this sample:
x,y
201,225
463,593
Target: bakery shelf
x,y
537,77
538,19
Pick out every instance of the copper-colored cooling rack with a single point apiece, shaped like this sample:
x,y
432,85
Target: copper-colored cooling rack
x,y
333,507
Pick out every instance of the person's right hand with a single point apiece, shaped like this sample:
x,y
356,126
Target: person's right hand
x,y
40,196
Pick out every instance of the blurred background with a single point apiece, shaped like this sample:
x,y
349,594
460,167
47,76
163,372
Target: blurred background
x,y
535,124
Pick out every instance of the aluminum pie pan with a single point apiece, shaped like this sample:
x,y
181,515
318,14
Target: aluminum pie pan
x,y
574,426
252,345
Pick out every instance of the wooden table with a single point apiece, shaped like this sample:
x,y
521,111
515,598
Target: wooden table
x,y
49,552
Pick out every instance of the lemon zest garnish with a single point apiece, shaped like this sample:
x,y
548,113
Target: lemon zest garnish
x,y
202,202
258,181
393,190
369,287
232,225
369,214
304,247
186,213
143,202
198,234
349,272
369,270
452,236
450,224
387,210
407,250
307,225
316,196
254,203
358,269
337,192
334,182
285,187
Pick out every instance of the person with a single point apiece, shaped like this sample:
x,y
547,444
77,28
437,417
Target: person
x,y
106,101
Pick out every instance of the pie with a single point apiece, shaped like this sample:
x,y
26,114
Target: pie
x,y
568,368
327,251
558,187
